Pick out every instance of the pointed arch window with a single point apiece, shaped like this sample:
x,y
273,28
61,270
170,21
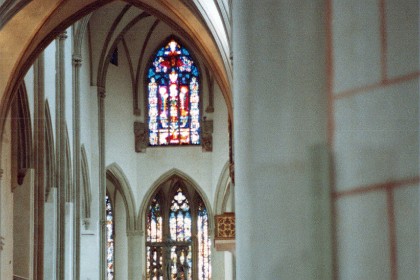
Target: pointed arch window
x,y
173,97
177,241
109,238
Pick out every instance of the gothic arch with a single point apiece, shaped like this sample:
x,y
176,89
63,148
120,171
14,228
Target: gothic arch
x,y
168,176
22,134
115,174
223,190
86,189
43,21
80,29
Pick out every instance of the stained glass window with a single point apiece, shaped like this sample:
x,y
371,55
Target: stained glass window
x,y
170,231
109,238
173,97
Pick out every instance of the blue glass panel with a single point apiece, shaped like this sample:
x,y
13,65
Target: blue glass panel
x,y
170,120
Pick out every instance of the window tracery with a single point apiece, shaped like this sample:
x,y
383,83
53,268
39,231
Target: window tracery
x,y
173,97
177,243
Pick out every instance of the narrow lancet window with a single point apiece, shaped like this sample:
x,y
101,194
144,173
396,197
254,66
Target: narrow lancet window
x,y
109,238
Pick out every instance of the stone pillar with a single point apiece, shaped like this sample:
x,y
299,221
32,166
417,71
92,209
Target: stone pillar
x,y
60,154
39,153
135,252
279,111
77,63
102,183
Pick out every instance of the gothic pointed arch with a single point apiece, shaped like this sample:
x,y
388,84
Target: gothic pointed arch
x,y
177,231
115,174
22,136
167,176
49,152
223,190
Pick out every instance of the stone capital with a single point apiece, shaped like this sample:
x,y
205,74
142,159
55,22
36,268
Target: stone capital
x,y
62,35
101,92
77,60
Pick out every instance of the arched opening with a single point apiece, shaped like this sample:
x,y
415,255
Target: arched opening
x,y
178,242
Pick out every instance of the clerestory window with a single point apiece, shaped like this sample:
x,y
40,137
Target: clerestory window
x,y
173,97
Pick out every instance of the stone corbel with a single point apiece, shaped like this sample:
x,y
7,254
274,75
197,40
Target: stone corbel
x,y
140,137
207,135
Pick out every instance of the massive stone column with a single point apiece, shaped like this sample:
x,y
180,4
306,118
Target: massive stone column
x,y
280,106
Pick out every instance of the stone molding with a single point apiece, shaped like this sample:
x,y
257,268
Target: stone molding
x,y
135,233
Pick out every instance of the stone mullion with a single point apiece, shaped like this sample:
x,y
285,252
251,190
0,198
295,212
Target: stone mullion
x,y
39,154
102,183
61,151
77,62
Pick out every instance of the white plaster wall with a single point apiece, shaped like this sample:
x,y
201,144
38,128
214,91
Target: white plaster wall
x,y
23,197
50,83
29,84
6,204
220,154
50,235
89,240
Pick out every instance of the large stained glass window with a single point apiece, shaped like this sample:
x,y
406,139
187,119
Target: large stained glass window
x,y
173,220
173,97
109,238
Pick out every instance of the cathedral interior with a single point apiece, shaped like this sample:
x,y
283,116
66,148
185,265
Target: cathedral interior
x,y
209,139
